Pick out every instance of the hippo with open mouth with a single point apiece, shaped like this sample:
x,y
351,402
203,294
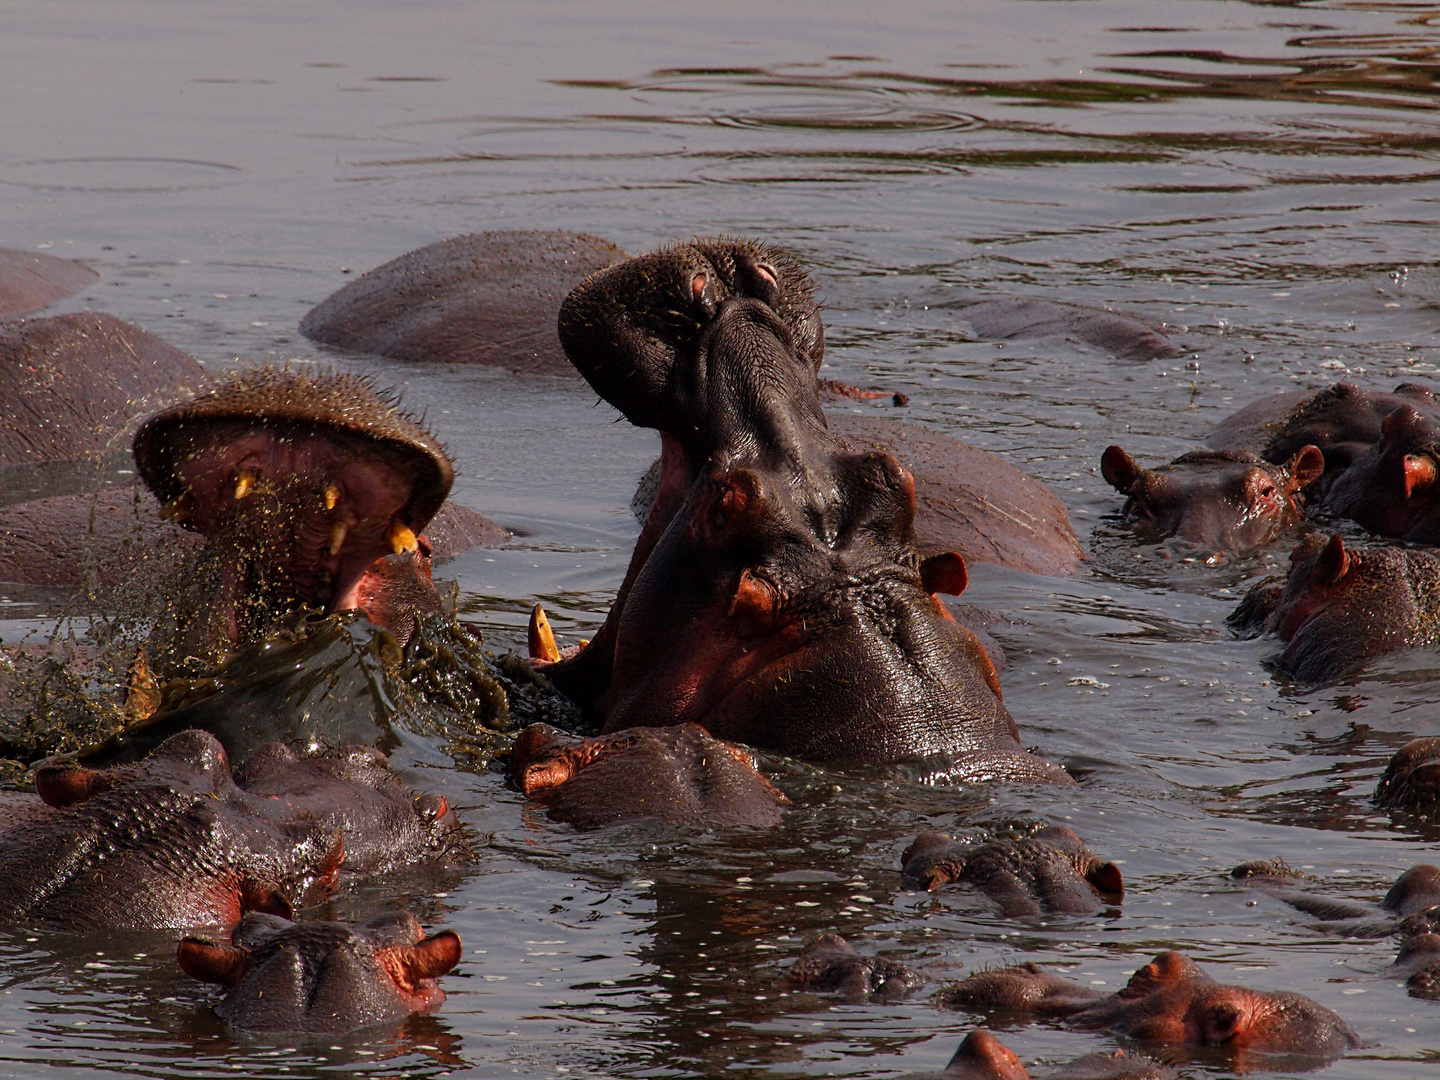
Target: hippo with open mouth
x,y
776,595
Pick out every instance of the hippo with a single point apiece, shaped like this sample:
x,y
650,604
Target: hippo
x,y
298,484
1393,487
981,1056
487,298
1216,500
1169,1000
1412,777
176,840
1126,337
830,965
323,978
775,595
680,775
1049,871
31,280
1341,607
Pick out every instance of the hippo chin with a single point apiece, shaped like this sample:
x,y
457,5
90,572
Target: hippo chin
x,y
178,840
776,596
323,978
299,485
1169,1000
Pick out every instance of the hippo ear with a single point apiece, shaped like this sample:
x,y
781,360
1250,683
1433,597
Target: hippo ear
x,y
1307,466
984,1050
1333,563
1120,470
1107,879
1420,474
212,963
944,573
1221,1022
431,957
66,785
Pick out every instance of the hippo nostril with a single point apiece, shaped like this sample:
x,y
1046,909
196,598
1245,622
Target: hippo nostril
x,y
697,287
766,271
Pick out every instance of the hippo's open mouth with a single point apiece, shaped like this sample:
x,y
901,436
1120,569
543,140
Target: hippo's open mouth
x,y
300,482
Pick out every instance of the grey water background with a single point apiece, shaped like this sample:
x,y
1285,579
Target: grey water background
x,y
1264,178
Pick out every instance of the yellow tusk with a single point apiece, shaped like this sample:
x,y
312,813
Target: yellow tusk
x,y
402,540
332,496
337,537
178,509
542,638
244,483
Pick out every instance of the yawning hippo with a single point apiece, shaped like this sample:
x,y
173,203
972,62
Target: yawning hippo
x,y
775,596
323,978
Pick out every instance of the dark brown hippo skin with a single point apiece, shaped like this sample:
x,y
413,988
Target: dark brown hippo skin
x,y
970,501
1412,778
775,596
298,484
323,978
1169,1000
30,280
984,1057
1215,500
1127,338
176,840
1050,871
1393,487
830,965
486,298
71,385
679,775
1341,607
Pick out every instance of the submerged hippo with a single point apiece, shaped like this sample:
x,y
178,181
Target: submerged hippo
x,y
830,965
31,280
176,840
323,978
1216,500
984,1057
1341,607
1049,871
1412,778
775,596
1169,1000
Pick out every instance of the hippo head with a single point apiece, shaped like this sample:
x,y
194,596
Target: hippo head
x,y
1217,500
1412,779
323,977
1393,487
299,483
1172,1000
775,595
984,1057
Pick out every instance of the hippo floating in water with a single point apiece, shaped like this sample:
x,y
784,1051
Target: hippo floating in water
x,y
1412,778
31,280
323,978
1169,1000
1341,607
775,596
983,1057
176,840
830,965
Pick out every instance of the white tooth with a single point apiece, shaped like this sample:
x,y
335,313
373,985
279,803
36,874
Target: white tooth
x,y
332,496
243,483
402,540
337,537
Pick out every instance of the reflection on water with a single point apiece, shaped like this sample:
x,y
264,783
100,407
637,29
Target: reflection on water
x,y
1263,179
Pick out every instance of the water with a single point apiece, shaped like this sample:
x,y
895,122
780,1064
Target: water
x,y
1262,177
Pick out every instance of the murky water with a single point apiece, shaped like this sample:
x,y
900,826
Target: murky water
x,y
1265,178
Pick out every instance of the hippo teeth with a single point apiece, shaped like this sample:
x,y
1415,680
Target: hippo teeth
x,y
178,509
332,496
402,539
243,483
542,638
337,537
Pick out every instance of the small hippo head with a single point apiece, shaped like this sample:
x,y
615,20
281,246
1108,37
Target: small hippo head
x,y
1172,1000
1217,500
984,1057
323,977
1393,488
299,482
1412,779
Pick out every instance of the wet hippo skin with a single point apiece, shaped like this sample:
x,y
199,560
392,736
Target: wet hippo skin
x,y
323,977
1169,1000
1127,338
830,965
486,298
776,596
31,280
983,1057
1341,607
175,840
